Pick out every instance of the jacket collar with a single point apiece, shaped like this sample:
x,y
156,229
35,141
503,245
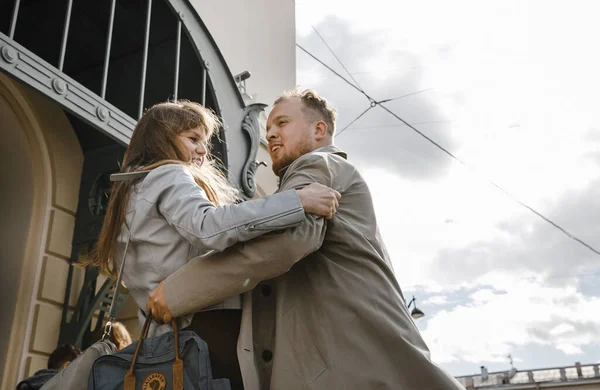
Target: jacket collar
x,y
125,176
331,149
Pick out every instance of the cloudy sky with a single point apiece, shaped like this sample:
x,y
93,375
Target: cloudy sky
x,y
511,88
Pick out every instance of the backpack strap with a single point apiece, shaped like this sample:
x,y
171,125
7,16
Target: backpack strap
x,y
113,307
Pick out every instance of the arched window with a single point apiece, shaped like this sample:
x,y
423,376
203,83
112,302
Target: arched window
x,y
103,62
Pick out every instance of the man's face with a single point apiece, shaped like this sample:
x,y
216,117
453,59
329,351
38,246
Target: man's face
x,y
289,133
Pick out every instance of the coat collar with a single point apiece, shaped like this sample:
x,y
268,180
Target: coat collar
x,y
332,149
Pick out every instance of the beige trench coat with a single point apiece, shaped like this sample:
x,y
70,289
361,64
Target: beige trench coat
x,y
327,312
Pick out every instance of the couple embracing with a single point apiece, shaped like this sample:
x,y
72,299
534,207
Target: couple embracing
x,y
290,291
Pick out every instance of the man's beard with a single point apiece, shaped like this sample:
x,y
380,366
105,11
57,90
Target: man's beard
x,y
291,157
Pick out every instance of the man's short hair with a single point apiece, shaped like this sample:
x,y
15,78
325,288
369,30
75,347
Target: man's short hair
x,y
315,107
61,355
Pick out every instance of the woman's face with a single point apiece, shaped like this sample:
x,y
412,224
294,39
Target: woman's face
x,y
194,142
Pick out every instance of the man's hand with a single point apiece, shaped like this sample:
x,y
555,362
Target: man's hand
x,y
319,200
156,306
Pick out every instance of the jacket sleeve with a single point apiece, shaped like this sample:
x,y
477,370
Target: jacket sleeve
x,y
207,280
186,207
77,373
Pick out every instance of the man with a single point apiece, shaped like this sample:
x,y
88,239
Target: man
x,y
327,312
60,358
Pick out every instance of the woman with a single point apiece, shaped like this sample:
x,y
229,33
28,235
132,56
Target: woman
x,y
184,208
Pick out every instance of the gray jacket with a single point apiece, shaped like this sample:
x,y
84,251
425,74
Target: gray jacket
x,y
172,221
75,375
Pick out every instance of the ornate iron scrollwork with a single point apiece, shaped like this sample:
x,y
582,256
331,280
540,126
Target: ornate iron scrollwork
x,y
251,126
99,195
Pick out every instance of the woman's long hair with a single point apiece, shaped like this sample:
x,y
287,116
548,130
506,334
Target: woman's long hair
x,y
154,143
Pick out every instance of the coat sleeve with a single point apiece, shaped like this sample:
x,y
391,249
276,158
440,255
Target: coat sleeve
x,y
205,281
186,207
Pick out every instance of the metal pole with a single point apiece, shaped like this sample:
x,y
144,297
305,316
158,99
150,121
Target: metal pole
x,y
74,255
63,46
177,55
204,86
107,52
144,64
13,21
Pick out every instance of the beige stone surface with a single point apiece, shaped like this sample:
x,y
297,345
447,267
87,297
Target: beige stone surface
x,y
57,161
100,281
266,179
60,235
13,347
35,363
129,310
94,321
55,272
65,152
133,326
46,327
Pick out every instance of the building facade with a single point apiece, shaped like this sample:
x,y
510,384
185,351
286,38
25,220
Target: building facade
x,y
577,377
74,77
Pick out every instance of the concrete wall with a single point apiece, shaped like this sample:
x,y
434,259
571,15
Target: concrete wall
x,y
266,179
258,36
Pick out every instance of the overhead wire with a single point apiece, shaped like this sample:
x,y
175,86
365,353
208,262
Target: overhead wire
x,y
336,57
403,96
354,120
333,71
374,102
400,124
355,82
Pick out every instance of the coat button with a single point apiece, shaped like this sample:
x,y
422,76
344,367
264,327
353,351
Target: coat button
x,y
267,355
265,290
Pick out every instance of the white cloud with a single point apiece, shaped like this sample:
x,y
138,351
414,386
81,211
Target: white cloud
x,y
436,300
527,75
483,296
569,349
413,219
561,329
492,325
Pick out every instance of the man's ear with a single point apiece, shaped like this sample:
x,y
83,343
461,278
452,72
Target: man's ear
x,y
320,130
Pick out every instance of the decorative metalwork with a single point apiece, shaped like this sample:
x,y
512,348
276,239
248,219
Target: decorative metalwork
x,y
102,113
145,62
77,330
251,127
59,86
9,54
241,130
107,49
99,195
35,72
